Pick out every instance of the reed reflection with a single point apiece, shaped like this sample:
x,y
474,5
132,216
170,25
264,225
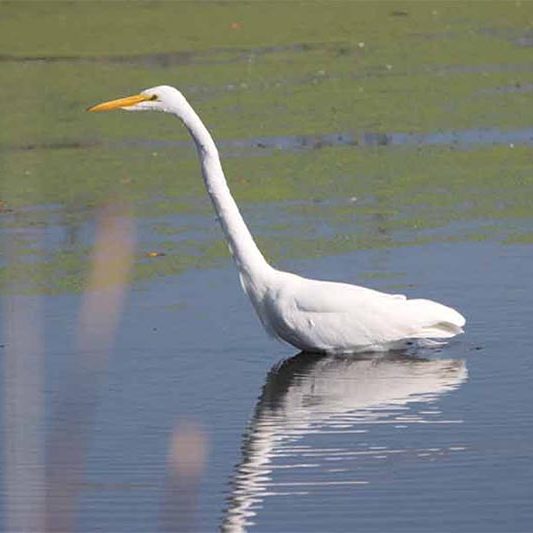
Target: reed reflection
x,y
310,413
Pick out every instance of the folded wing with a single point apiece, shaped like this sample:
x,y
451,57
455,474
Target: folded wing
x,y
333,316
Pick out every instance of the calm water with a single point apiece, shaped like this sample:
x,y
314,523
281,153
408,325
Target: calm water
x,y
365,143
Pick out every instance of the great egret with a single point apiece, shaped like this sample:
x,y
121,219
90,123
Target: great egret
x,y
314,316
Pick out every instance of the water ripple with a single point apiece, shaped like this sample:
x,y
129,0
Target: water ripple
x,y
308,397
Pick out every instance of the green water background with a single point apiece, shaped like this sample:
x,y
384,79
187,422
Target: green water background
x,y
258,71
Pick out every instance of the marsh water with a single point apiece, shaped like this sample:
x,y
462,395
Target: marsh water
x,y
388,145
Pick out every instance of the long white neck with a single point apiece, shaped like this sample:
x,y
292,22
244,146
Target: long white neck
x,y
250,262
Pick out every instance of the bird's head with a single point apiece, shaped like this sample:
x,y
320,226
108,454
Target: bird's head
x,y
161,98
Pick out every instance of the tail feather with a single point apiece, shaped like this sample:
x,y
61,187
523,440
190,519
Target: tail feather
x,y
440,330
436,321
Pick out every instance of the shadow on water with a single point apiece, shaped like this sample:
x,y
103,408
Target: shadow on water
x,y
310,396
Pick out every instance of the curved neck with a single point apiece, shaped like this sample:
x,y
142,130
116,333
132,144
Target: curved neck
x,y
247,256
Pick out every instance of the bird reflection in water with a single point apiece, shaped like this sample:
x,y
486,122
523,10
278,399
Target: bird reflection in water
x,y
307,398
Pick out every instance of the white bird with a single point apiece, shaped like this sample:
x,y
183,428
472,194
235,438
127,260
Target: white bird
x,y
312,315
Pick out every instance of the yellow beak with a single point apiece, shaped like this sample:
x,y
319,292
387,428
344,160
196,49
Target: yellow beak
x,y
121,103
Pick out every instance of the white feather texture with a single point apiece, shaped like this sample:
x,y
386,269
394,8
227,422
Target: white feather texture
x,y
340,318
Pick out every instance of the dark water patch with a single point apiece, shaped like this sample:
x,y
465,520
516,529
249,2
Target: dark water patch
x,y
457,138
490,136
242,147
220,55
514,88
59,145
485,69
526,40
518,37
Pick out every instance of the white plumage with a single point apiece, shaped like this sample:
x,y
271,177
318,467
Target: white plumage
x,y
318,316
340,318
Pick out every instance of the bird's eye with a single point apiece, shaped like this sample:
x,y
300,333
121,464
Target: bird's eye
x,y
153,97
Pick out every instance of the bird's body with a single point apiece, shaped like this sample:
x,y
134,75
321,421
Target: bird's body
x,y
312,315
333,317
